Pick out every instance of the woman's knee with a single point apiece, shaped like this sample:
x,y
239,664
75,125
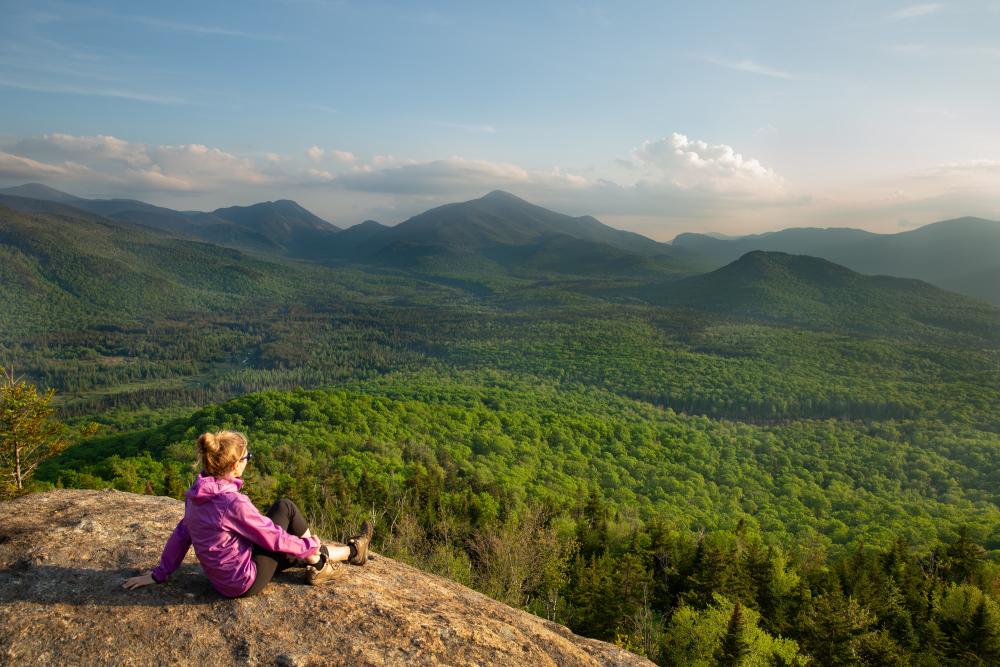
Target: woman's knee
x,y
282,504
289,506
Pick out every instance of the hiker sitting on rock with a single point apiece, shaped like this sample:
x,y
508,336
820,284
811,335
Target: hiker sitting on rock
x,y
239,548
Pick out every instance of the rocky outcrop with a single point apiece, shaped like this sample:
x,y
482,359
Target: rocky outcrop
x,y
64,555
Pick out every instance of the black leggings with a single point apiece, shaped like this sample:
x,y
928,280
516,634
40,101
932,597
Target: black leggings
x,y
285,515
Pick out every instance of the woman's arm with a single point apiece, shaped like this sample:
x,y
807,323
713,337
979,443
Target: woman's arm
x,y
245,520
173,554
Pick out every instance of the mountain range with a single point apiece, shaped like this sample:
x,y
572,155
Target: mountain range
x,y
961,255
501,232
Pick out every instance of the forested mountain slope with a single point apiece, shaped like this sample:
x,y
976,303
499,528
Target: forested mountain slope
x,y
812,292
281,227
961,255
494,235
62,271
501,232
599,512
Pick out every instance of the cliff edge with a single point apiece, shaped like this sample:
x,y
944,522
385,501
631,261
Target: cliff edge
x,y
64,555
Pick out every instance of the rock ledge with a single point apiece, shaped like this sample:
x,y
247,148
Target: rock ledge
x,y
64,554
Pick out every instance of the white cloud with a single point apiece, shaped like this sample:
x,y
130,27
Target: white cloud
x,y
914,11
964,52
321,107
674,178
752,68
153,179
208,31
964,175
177,26
940,112
987,51
487,129
451,175
91,91
384,161
210,166
315,153
18,167
93,148
690,164
320,175
908,49
104,161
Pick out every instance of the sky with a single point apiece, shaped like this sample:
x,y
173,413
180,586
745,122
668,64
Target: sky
x,y
657,117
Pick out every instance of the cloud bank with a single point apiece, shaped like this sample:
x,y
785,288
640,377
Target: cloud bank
x,y
106,163
664,185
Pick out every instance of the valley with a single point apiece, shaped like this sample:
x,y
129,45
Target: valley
x,y
491,368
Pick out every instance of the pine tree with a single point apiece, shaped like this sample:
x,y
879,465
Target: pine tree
x,y
964,556
734,647
709,575
832,624
984,635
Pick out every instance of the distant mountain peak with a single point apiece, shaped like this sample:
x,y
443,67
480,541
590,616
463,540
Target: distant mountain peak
x,y
284,213
501,195
815,293
40,191
287,203
806,266
954,224
958,254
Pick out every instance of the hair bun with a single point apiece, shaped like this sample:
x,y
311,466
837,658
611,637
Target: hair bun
x,y
207,442
219,452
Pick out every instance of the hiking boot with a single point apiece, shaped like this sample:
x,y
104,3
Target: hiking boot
x,y
324,571
359,545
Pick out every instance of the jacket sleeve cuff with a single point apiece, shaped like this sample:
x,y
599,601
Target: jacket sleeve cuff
x,y
314,544
158,578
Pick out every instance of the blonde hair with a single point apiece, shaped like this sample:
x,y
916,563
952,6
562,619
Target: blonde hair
x,y
218,452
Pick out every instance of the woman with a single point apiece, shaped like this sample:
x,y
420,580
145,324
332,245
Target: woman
x,y
239,548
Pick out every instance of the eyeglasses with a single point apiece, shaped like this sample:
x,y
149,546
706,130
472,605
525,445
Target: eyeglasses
x,y
248,456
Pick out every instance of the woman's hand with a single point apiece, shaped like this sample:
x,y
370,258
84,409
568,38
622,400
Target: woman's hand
x,y
139,582
312,560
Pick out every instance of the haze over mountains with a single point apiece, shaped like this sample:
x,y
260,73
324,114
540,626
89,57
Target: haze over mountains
x,y
961,255
500,231
808,291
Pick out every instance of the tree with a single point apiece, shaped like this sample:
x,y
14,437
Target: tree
x,y
706,637
28,432
963,557
832,626
734,647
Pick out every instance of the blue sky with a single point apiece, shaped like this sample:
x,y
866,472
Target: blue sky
x,y
658,117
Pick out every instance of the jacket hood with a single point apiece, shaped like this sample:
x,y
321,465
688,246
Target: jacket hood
x,y
207,487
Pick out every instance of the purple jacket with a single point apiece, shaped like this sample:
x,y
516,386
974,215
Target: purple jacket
x,y
223,525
